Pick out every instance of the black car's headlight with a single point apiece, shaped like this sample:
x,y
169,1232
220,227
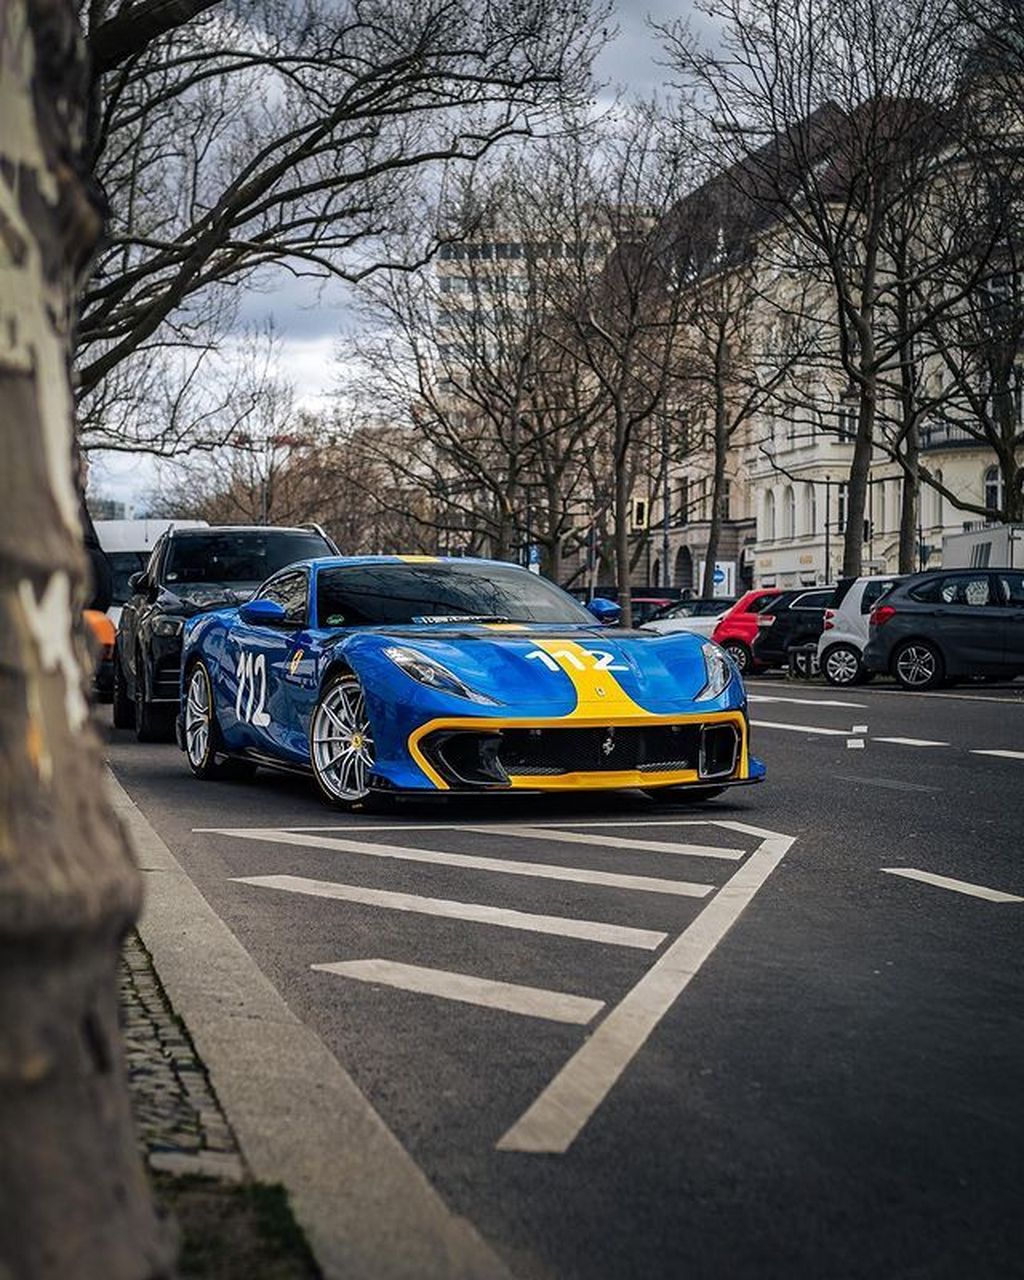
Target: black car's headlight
x,y
167,626
432,673
717,670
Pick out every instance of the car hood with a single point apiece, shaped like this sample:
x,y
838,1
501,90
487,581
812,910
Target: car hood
x,y
547,670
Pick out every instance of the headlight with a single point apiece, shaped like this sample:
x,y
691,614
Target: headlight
x,y
718,672
167,626
431,673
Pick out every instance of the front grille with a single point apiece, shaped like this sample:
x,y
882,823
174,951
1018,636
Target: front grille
x,y
472,756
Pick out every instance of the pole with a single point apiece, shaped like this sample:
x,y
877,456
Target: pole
x,y
666,578
828,519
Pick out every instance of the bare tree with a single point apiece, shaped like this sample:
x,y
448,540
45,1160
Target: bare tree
x,y
74,1194
246,136
831,116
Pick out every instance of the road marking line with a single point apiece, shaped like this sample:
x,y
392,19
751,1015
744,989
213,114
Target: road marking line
x,y
958,886
859,728
533,1002
611,842
800,728
1005,755
615,935
491,826
912,742
557,1116
807,702
855,744
469,862
890,783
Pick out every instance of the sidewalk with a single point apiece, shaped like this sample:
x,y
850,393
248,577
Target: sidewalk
x,y
228,1226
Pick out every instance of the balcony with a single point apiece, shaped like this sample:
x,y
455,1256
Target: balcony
x,y
947,435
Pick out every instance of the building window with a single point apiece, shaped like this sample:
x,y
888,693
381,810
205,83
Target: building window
x,y
788,512
994,490
847,424
937,512
723,500
684,500
812,509
841,509
769,516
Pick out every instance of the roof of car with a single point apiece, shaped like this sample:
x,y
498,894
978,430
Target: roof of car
x,y
245,528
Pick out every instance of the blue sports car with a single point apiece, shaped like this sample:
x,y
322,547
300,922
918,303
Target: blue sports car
x,y
384,675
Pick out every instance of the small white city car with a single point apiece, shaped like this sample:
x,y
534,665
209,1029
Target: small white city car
x,y
841,644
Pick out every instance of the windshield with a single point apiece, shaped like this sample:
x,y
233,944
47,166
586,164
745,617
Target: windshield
x,y
122,565
245,558
390,593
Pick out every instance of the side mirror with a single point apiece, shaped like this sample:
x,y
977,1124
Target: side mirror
x,y
138,582
263,613
607,612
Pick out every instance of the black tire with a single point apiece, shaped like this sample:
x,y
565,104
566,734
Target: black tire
x,y
842,666
917,665
124,711
683,795
152,723
343,693
741,655
208,763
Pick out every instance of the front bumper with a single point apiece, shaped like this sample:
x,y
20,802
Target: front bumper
x,y
581,754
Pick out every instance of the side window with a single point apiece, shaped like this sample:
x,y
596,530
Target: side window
x,y
927,592
973,589
759,602
1012,585
873,592
812,600
289,590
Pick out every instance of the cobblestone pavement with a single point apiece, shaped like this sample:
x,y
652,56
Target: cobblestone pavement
x,y
179,1121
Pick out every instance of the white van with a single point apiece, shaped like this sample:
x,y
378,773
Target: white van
x,y
128,545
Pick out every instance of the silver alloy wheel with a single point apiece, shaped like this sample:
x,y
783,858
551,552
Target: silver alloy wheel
x,y
842,666
342,741
738,653
198,713
916,665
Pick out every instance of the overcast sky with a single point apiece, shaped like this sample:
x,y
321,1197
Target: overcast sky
x,y
312,321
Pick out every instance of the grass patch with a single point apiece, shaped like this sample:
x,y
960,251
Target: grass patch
x,y
232,1231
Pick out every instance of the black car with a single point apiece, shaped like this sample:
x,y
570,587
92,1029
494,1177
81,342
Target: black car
x,y
792,619
190,570
948,624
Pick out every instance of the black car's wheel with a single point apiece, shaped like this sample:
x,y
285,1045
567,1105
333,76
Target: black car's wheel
x,y
124,711
918,665
202,733
842,665
740,654
341,742
152,723
683,795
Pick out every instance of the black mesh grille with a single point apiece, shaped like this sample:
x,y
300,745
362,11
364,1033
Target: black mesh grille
x,y
470,756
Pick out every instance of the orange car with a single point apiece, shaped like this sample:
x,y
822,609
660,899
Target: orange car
x,y
102,636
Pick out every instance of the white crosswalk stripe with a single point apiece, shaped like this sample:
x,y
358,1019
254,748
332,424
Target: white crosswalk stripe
x,y
533,1002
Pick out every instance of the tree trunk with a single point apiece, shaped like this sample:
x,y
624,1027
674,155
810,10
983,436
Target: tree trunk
x,y
74,1194
622,566
910,501
717,484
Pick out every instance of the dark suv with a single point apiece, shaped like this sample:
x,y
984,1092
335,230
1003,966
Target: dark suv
x,y
949,623
190,570
792,619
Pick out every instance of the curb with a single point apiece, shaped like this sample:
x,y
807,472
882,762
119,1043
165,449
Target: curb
x,y
367,1209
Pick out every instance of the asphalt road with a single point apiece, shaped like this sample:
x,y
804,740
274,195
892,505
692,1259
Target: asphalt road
x,y
815,1073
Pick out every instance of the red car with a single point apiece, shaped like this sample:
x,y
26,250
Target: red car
x,y
736,632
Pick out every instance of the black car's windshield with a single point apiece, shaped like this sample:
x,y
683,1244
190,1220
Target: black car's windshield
x,y
391,593
245,557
